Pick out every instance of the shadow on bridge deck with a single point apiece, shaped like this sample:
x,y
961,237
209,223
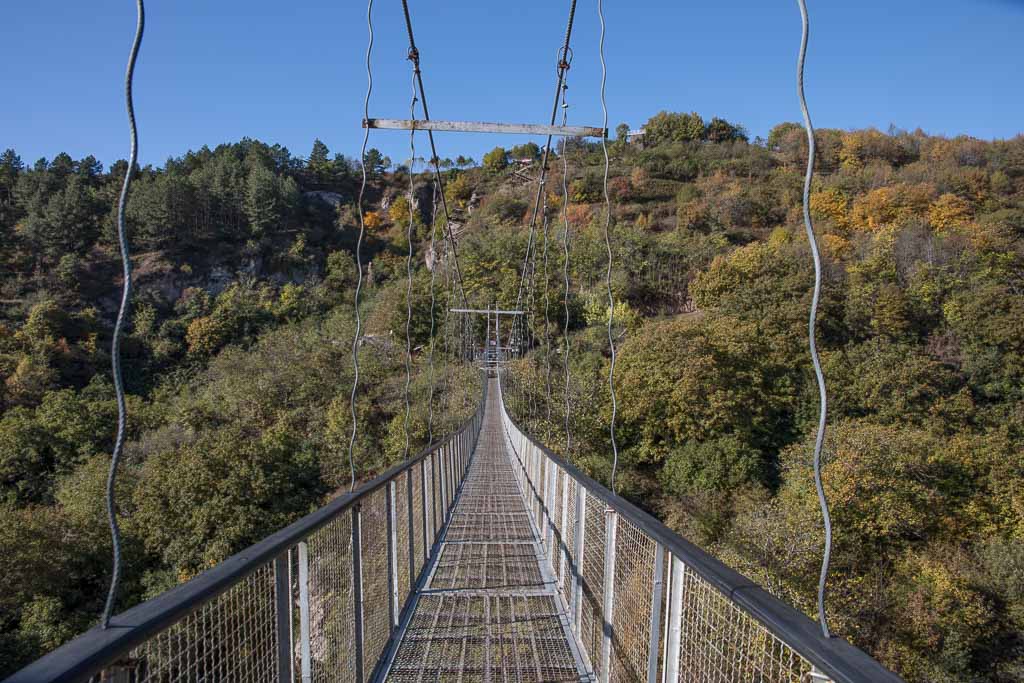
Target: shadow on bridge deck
x,y
488,607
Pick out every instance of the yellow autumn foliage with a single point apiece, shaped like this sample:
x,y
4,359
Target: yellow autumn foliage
x,y
835,246
205,335
831,204
892,205
949,212
399,210
372,220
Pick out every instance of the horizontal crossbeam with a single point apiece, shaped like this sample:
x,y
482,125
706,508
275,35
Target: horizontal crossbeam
x,y
484,127
486,311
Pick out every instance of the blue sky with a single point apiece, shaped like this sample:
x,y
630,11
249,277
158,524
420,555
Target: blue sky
x,y
215,71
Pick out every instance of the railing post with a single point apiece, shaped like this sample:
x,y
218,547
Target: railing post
x,y
577,570
357,589
656,598
283,605
675,619
425,505
392,530
442,457
305,663
457,472
449,474
435,492
453,472
410,473
611,526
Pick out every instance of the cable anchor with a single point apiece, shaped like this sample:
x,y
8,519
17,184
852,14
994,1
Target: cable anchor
x,y
414,57
564,59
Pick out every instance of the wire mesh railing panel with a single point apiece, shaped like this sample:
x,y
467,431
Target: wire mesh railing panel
x,y
569,559
431,503
539,487
401,514
332,602
316,601
232,637
719,643
554,535
417,520
635,556
376,582
592,575
438,491
674,612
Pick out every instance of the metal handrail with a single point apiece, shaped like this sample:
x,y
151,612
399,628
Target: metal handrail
x,y
834,657
88,654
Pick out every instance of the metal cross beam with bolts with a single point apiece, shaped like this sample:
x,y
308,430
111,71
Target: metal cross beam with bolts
x,y
485,127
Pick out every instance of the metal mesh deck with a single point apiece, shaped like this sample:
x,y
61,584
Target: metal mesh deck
x,y
489,610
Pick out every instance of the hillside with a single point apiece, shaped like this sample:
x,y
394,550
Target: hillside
x,y
238,362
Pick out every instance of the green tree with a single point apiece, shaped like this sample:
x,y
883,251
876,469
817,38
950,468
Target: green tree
x,y
720,130
268,200
374,162
665,127
319,164
496,160
779,133
10,168
529,150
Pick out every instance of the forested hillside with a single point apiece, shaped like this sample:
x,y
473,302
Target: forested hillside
x,y
238,361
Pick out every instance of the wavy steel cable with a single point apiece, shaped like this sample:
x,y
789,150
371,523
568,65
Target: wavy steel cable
x,y
408,270
126,293
449,335
433,319
812,319
359,250
608,246
530,324
565,268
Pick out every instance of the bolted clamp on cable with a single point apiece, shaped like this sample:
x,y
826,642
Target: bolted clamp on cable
x,y
564,59
414,57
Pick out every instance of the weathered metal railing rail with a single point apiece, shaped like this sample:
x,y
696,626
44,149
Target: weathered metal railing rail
x,y
316,601
646,605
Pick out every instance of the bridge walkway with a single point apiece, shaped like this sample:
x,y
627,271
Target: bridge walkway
x,y
488,608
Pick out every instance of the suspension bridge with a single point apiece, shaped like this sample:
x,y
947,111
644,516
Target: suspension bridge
x,y
485,557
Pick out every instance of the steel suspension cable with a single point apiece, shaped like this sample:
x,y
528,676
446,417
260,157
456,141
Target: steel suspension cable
x,y
819,438
414,57
122,313
408,273
608,246
359,251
